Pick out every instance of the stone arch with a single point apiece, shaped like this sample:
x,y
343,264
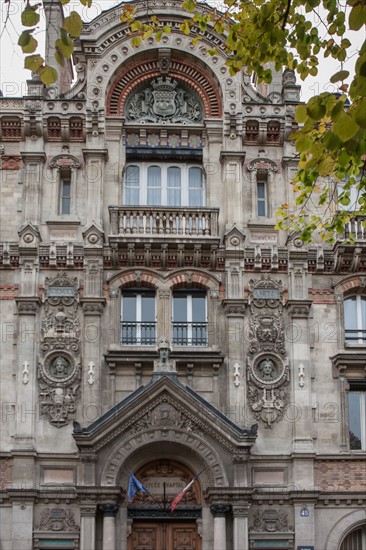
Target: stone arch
x,y
128,454
343,527
350,285
187,71
191,278
136,277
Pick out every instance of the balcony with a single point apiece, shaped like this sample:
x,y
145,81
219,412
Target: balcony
x,y
135,333
160,221
356,227
190,334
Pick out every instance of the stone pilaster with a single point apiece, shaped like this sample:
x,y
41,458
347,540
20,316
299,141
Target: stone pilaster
x,y
109,525
240,526
87,526
32,191
219,512
95,160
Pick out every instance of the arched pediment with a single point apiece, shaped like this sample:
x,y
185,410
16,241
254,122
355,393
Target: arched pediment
x,y
163,409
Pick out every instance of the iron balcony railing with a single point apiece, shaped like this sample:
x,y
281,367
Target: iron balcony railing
x,y
133,333
190,334
355,336
159,220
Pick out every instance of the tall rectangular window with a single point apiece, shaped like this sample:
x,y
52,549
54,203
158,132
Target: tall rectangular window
x,y
195,186
65,196
262,198
174,186
189,318
138,319
132,182
154,186
357,419
355,319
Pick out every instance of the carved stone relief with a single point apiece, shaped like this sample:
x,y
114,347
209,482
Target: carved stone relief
x,y
164,100
57,519
270,521
268,372
59,368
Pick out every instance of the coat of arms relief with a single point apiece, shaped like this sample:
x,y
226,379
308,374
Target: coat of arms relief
x,y
164,100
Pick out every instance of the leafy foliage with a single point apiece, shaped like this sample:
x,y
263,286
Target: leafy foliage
x,y
331,135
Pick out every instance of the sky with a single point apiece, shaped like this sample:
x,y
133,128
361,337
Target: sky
x,y
13,76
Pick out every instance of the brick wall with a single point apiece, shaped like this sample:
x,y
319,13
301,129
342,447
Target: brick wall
x,y
9,292
341,475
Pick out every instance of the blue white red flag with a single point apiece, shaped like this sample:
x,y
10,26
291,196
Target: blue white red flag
x,y
179,497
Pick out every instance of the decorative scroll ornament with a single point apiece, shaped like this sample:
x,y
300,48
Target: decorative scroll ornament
x,y
25,372
268,372
164,100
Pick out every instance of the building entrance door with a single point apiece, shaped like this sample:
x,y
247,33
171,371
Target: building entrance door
x,y
164,536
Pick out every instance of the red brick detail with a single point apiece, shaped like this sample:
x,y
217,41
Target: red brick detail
x,y
5,473
144,279
184,71
9,292
198,280
348,286
11,162
322,295
341,475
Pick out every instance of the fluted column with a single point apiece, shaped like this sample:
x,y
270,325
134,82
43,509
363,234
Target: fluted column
x,y
219,512
109,525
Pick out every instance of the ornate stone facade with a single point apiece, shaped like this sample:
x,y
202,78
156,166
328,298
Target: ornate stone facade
x,y
154,321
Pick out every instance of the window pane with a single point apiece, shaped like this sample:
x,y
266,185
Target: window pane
x,y
129,307
65,196
174,176
198,308
195,178
363,313
132,176
261,188
354,419
261,208
148,308
154,185
180,308
154,176
132,195
350,319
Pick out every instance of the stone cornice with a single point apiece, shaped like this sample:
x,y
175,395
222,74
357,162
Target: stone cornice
x,y
28,305
299,309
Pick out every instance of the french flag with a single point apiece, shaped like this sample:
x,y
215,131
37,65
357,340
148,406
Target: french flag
x,y
179,497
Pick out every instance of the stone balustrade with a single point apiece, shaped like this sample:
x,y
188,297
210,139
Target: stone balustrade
x,y
147,221
357,227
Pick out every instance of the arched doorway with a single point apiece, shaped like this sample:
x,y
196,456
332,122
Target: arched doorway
x,y
154,525
355,540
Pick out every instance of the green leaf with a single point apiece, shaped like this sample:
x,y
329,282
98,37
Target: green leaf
x,y
357,17
86,3
315,109
301,113
167,29
65,49
31,46
48,75
340,75
303,143
345,127
73,24
136,41
359,113
33,62
325,166
29,16
64,2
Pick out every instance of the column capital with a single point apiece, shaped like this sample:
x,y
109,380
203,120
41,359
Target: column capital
x,y
299,309
109,509
219,510
240,510
28,305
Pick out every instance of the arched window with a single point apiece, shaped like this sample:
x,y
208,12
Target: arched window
x,y
138,317
356,540
132,184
